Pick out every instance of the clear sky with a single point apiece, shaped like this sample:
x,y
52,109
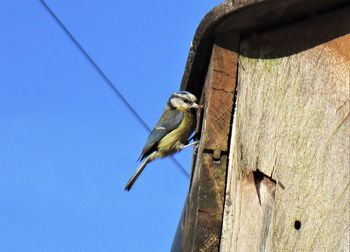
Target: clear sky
x,y
68,144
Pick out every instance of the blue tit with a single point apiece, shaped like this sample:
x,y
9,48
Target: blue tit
x,y
171,133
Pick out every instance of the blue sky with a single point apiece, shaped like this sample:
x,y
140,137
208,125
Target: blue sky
x,y
68,144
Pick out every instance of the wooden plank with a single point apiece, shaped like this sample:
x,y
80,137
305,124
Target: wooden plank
x,y
207,205
292,123
248,210
219,92
202,221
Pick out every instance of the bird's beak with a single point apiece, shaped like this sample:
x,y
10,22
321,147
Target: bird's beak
x,y
195,105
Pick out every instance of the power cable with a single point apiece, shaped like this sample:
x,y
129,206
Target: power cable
x,y
106,79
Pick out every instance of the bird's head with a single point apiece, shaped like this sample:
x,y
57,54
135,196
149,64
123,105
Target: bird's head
x,y
183,101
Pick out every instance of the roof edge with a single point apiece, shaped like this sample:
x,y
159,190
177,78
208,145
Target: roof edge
x,y
244,17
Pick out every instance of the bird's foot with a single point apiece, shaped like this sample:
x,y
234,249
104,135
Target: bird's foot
x,y
195,143
180,147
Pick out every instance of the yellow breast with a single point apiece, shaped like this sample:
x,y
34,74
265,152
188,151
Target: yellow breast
x,y
180,135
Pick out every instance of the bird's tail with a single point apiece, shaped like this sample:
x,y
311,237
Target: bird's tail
x,y
139,170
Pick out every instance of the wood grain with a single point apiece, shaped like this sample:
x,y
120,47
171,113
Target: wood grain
x,y
203,215
292,123
219,91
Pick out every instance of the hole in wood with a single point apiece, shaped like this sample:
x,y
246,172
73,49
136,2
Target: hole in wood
x,y
297,225
263,181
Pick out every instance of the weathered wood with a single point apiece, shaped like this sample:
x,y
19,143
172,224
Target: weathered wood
x,y
248,210
289,129
245,17
202,220
292,123
207,203
219,91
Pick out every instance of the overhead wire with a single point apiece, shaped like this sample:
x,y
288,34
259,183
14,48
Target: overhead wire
x,y
107,80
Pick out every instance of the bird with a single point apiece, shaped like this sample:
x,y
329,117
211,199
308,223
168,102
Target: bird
x,y
171,133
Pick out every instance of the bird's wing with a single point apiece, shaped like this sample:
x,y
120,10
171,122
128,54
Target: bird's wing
x,y
169,121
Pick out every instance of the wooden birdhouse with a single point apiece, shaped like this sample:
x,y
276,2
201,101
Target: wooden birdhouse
x,y
272,171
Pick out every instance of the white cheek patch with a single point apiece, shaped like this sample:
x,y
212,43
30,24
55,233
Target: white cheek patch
x,y
174,103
